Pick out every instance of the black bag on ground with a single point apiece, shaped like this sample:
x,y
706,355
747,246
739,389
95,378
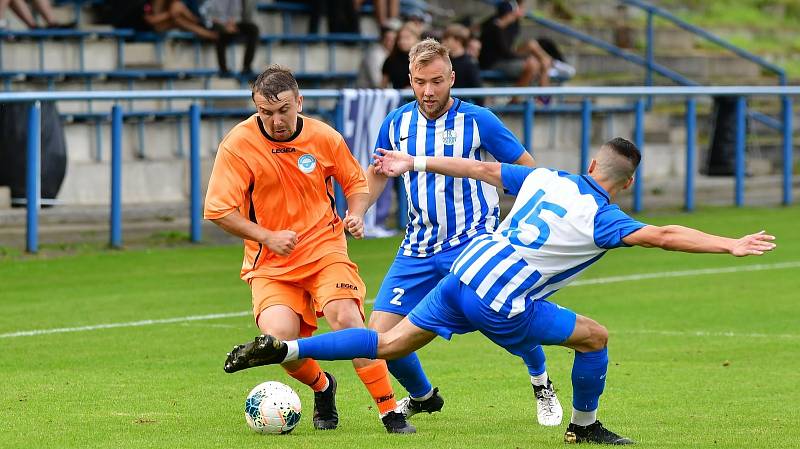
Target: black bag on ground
x,y
721,160
14,144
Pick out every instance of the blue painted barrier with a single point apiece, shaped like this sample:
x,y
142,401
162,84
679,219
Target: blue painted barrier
x,y
33,184
586,109
691,126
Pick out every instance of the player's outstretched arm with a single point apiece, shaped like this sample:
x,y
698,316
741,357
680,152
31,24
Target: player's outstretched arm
x,y
395,163
689,240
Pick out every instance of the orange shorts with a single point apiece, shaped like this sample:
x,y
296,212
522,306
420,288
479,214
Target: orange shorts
x,y
309,288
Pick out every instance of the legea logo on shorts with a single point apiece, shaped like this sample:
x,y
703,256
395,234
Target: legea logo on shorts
x,y
306,163
449,137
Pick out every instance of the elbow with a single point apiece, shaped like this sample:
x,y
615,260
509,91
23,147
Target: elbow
x,y
666,238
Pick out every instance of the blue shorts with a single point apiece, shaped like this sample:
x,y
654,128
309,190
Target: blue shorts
x,y
411,278
454,308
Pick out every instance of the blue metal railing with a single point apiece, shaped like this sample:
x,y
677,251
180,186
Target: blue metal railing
x,y
653,10
638,93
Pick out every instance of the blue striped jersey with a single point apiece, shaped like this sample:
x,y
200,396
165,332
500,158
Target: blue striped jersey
x,y
444,211
560,224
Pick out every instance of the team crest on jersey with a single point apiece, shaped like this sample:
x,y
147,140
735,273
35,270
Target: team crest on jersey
x,y
449,137
307,163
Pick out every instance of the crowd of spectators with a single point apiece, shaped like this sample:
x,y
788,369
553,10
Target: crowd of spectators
x,y
385,63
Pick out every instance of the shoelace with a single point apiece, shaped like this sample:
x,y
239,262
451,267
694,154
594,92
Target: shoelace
x,y
547,395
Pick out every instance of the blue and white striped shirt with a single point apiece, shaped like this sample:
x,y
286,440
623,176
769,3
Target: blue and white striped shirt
x,y
559,225
445,211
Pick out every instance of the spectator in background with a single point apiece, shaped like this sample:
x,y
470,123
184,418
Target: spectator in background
x,y
474,48
370,72
23,11
467,73
342,15
420,21
157,15
227,18
497,37
395,68
387,12
542,48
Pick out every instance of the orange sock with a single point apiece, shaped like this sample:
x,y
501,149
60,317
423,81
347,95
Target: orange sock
x,y
310,374
376,379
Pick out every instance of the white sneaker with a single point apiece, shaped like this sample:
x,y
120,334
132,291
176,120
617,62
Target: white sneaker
x,y
548,409
561,70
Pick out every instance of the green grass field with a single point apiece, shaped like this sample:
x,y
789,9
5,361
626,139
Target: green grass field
x,y
707,359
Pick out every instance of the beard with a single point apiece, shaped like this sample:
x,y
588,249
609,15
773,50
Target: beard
x,y
436,109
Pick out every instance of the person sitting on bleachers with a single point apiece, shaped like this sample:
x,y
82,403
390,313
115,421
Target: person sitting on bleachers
x,y
228,19
497,38
21,9
395,68
159,16
370,75
468,74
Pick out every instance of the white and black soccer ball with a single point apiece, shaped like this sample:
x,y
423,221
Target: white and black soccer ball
x,y
272,407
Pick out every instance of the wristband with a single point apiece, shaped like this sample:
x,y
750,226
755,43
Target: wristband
x,y
420,163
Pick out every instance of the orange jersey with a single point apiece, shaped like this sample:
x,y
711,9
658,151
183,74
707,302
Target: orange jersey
x,y
284,185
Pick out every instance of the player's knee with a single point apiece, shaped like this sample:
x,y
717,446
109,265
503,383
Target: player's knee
x,y
599,338
382,321
390,346
343,314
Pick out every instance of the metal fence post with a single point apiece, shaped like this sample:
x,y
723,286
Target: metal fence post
x,y
527,125
741,134
33,181
116,176
638,140
788,162
195,202
650,58
691,119
586,133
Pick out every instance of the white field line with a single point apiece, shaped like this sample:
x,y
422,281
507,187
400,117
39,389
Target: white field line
x,y
703,334
697,272
604,280
182,319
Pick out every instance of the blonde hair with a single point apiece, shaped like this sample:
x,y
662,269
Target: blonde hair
x,y
424,52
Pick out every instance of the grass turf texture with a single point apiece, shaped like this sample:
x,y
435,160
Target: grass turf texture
x,y
162,386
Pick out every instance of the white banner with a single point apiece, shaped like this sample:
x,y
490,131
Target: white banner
x,y
363,112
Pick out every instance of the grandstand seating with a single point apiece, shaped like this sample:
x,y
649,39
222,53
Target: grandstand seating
x,y
156,135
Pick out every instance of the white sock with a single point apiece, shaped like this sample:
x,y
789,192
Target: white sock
x,y
583,418
294,351
424,396
539,380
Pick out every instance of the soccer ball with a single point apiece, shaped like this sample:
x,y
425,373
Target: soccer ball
x,y
272,407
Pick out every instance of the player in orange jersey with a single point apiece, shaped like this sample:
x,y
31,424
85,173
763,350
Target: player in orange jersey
x,y
271,185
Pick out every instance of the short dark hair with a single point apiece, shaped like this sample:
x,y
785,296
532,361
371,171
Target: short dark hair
x,y
626,149
274,80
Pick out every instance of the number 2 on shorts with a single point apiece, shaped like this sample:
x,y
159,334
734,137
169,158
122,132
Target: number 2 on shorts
x,y
398,292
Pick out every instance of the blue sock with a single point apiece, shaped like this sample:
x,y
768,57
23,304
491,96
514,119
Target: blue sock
x,y
588,379
535,361
345,344
408,371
